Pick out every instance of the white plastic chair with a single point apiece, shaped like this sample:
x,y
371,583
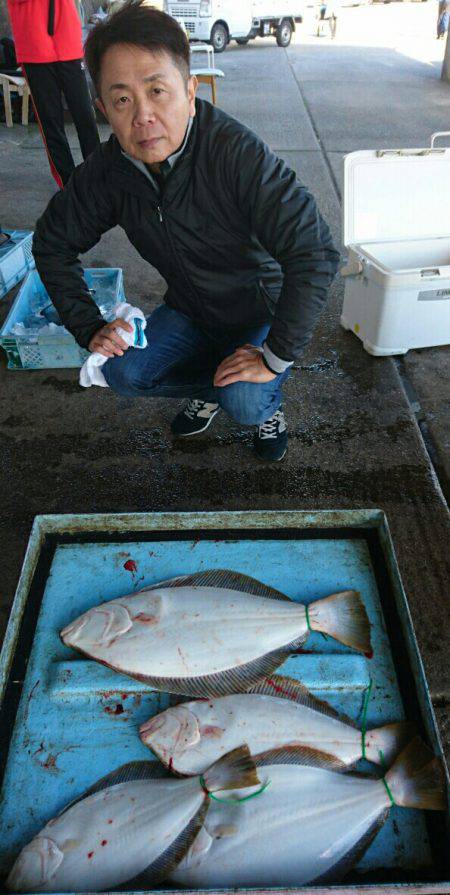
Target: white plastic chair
x,y
15,84
208,76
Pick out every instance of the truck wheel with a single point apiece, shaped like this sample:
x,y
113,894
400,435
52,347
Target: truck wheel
x,y
284,33
219,37
242,40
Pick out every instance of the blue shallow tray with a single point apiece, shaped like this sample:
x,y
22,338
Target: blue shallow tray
x,y
77,720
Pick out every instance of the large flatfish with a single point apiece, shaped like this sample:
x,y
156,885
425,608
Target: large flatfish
x,y
310,825
277,712
133,827
212,633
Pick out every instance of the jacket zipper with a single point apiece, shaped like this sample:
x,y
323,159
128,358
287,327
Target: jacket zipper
x,y
192,290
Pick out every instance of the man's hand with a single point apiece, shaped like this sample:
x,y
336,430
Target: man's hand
x,y
245,365
107,342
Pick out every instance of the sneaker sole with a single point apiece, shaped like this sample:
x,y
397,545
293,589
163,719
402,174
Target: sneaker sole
x,y
270,460
197,431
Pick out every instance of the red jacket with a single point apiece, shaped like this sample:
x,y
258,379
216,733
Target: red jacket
x,y
33,22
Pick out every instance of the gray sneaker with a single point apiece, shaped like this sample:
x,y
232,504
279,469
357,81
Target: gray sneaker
x,y
194,418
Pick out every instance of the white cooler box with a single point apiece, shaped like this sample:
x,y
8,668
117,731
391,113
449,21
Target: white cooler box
x,y
397,234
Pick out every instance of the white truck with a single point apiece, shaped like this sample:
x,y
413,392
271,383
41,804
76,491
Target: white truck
x,y
219,21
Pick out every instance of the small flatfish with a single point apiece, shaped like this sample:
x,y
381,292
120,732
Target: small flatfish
x,y
277,712
310,825
133,827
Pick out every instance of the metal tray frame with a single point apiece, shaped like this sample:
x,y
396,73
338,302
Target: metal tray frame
x,y
51,530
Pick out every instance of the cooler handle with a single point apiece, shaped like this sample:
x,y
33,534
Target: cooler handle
x,y
352,268
438,134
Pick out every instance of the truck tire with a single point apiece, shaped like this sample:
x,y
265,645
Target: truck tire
x,y
242,40
284,33
219,37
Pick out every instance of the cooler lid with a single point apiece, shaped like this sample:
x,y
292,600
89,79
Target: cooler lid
x,y
396,194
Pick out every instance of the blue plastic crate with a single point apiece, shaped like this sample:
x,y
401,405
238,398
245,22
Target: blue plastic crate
x,y
15,258
35,350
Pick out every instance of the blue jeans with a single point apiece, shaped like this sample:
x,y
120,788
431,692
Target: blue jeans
x,y
180,361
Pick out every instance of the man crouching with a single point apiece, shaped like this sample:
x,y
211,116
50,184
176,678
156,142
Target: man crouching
x,y
246,256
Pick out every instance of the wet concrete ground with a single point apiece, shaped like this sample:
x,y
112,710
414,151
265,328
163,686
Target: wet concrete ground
x,y
356,435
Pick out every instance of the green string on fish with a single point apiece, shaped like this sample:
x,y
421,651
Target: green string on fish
x,y
308,624
386,784
232,800
364,717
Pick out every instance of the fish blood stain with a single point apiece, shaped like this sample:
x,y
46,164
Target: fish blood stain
x,y
145,619
104,842
277,688
90,854
110,821
117,710
130,566
369,654
211,730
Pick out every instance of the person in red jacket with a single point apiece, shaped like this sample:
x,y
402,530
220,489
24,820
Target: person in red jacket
x,y
47,36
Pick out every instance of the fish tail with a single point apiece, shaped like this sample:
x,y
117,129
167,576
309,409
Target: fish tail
x,y
343,617
417,778
383,744
235,770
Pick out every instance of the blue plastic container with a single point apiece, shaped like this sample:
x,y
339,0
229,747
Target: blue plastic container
x,y
35,350
15,258
66,721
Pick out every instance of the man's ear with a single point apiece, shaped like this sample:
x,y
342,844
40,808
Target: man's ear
x,y
192,90
100,106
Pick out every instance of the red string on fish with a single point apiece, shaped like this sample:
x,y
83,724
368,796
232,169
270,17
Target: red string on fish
x,y
231,799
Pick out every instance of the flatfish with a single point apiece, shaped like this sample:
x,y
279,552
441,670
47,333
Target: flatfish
x,y
310,825
133,827
211,633
277,712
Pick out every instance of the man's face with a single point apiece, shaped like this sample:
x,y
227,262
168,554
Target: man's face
x,y
146,101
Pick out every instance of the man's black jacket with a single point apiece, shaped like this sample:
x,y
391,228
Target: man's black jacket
x,y
237,238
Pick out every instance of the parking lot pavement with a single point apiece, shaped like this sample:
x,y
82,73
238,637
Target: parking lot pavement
x,y
354,436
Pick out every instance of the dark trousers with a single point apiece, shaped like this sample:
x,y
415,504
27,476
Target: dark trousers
x,y
47,81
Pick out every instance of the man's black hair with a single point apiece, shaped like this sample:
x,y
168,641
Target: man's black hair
x,y
141,25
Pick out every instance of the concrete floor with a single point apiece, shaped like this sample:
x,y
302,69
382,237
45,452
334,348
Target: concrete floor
x,y
357,423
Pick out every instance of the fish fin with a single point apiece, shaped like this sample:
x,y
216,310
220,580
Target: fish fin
x,y
197,852
235,770
343,616
300,754
296,644
222,683
288,688
383,744
225,578
339,870
167,862
126,773
417,779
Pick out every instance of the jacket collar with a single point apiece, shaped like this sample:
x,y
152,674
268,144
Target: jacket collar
x,y
169,162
